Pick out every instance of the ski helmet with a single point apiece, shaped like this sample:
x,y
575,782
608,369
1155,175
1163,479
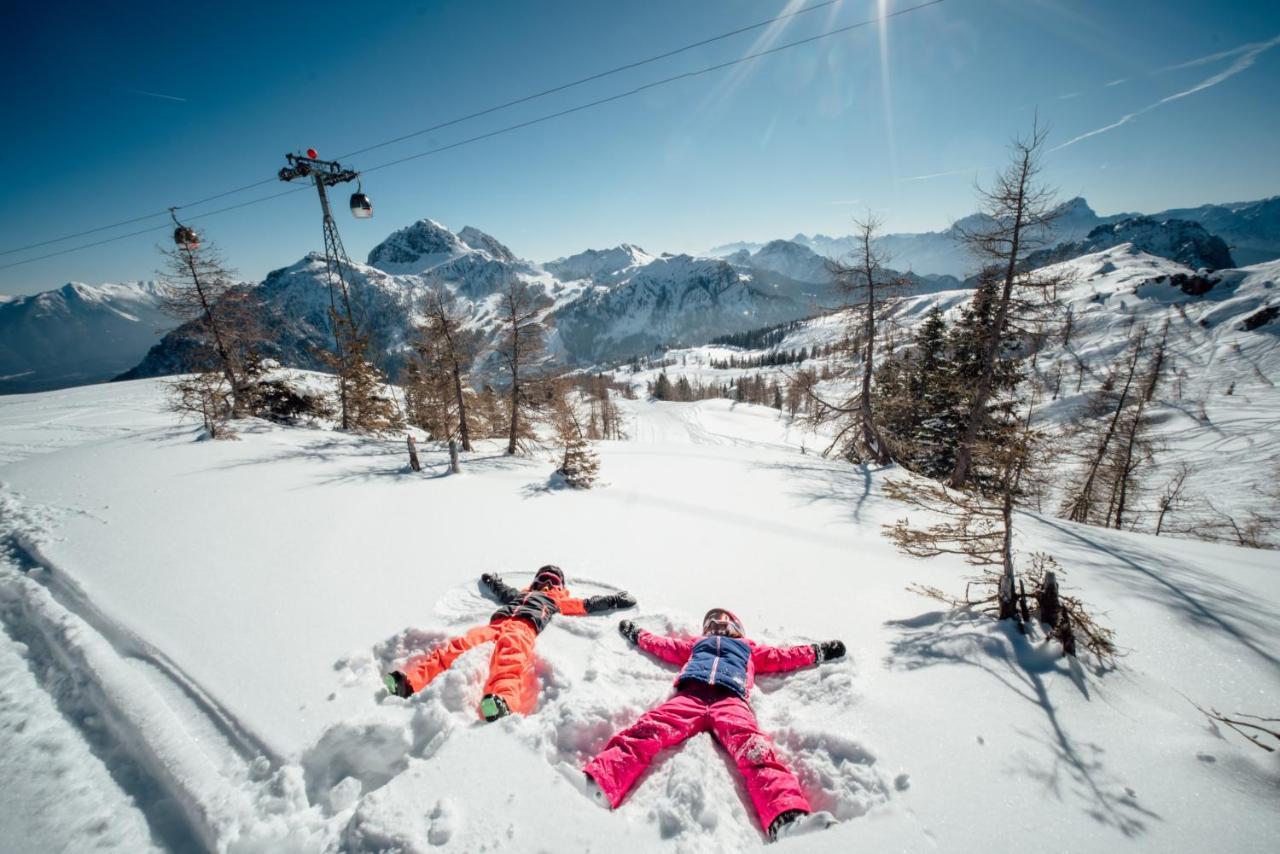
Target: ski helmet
x,y
548,576
721,621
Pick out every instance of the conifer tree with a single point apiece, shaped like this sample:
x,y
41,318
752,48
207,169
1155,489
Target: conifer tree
x,y
579,465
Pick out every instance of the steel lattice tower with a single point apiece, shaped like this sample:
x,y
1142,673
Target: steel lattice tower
x,y
329,173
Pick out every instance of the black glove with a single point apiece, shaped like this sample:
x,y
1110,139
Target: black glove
x,y
630,631
828,650
610,602
490,580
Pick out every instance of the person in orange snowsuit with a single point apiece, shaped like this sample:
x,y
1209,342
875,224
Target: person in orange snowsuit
x,y
512,686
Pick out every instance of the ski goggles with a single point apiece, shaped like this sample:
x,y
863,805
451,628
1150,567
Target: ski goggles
x,y
721,621
549,576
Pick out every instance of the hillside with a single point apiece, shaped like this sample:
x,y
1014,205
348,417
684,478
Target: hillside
x,y
1216,411
197,631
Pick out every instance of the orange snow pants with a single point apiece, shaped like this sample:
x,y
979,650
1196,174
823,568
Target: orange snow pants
x,y
511,674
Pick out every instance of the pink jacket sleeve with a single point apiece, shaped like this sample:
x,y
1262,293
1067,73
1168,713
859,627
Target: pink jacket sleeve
x,y
670,650
777,659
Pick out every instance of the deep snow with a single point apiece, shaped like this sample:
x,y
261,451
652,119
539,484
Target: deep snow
x,y
224,610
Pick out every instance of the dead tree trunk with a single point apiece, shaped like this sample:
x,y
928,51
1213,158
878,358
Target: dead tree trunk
x,y
1081,505
454,467
413,454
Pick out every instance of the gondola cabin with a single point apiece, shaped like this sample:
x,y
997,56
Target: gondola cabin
x,y
186,238
361,207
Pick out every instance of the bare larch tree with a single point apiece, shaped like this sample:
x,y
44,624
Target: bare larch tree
x,y
1019,213
861,278
521,347
447,349
198,289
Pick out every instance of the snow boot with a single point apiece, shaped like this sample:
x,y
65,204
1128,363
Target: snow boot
x,y
397,684
493,707
583,783
797,823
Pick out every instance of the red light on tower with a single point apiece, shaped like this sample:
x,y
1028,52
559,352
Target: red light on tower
x,y
311,152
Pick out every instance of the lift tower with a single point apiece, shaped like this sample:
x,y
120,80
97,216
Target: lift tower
x,y
329,173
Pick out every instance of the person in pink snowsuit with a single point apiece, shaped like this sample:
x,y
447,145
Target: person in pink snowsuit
x,y
716,676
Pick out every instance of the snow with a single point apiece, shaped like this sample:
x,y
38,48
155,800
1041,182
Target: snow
x,y
225,609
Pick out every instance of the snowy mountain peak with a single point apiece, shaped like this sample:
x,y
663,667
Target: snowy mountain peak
x,y
417,247
1076,207
602,266
483,242
791,259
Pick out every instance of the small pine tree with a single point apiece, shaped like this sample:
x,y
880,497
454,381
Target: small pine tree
x,y
369,410
662,387
580,465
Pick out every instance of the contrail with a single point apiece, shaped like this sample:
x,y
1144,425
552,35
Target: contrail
x,y
1246,54
940,174
157,95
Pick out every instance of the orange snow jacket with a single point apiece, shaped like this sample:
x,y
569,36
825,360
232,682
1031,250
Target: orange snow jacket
x,y
539,606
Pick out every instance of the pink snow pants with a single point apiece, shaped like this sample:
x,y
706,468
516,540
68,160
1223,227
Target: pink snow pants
x,y
694,709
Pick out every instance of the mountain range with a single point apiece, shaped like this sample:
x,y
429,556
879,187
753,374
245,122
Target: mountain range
x,y
606,304
1251,231
77,334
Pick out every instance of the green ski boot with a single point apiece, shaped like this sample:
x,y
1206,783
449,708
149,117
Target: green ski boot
x,y
397,684
493,707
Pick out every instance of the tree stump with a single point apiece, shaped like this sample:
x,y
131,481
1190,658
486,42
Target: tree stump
x,y
413,455
453,457
1006,599
1048,601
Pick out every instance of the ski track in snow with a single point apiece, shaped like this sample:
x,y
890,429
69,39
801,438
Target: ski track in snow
x,y
267,735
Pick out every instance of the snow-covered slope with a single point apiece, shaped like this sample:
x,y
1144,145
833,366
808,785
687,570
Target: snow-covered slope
x,y
1218,409
193,634
77,334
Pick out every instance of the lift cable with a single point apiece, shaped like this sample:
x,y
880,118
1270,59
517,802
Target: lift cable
x,y
644,87
562,87
508,129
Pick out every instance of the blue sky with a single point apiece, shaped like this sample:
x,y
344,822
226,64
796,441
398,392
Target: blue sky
x,y
117,110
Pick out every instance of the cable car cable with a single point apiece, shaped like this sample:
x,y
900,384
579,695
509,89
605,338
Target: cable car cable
x,y
597,76
153,228
653,84
562,87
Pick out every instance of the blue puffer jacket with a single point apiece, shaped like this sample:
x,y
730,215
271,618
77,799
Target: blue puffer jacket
x,y
730,662
719,660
